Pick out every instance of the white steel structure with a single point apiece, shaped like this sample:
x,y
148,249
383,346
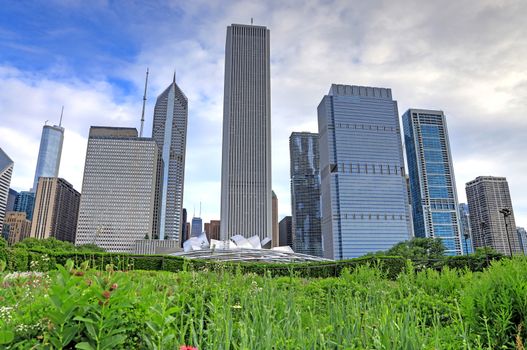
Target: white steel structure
x,y
6,170
120,190
169,130
246,155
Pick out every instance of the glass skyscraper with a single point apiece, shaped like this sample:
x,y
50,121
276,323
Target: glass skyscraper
x,y
246,207
169,130
466,232
6,170
364,197
25,201
49,153
432,182
305,193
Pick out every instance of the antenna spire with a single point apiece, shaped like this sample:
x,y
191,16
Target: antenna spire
x,y
144,103
200,209
251,21
61,113
174,81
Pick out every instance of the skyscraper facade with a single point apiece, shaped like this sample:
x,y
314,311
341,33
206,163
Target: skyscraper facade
x,y
6,170
305,193
275,237
285,228
49,153
213,229
169,130
197,227
522,238
119,202
18,227
25,201
466,232
11,198
363,187
432,182
487,196
56,210
246,152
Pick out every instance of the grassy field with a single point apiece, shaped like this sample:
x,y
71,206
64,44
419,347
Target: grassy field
x,y
90,309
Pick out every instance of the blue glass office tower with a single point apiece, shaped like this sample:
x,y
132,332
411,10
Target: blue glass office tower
x,y
197,227
305,193
466,232
25,202
432,182
49,153
364,196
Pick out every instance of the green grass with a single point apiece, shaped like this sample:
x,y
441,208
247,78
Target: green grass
x,y
92,309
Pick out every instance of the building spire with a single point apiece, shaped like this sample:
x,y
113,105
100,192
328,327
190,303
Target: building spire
x,y
174,81
144,103
61,113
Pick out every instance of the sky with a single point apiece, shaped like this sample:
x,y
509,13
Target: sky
x,y
466,58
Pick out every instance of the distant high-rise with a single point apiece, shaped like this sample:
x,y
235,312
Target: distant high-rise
x,y
184,233
487,196
56,210
11,198
213,229
305,193
25,201
522,238
119,198
197,227
18,226
169,130
432,181
246,152
275,236
6,170
49,153
286,231
466,232
363,187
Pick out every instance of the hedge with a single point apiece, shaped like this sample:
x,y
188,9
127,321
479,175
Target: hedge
x,y
36,259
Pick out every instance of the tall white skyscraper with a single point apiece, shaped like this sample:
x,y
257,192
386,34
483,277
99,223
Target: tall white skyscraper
x,y
6,170
49,153
169,130
364,197
119,202
246,153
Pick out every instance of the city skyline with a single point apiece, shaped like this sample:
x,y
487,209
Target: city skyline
x,y
477,79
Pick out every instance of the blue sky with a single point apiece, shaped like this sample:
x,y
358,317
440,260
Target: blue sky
x,y
465,58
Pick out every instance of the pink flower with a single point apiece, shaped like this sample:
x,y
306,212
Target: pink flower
x,y
187,347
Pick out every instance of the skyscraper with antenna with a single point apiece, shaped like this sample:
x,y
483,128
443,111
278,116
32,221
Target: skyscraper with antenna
x,y
169,130
50,151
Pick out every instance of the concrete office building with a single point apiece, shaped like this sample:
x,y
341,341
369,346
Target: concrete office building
x,y
25,201
487,196
56,210
285,228
119,201
212,229
363,187
246,152
6,170
305,193
49,153
18,227
169,130
432,181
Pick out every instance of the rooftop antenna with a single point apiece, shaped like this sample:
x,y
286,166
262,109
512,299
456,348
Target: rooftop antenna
x,y
174,81
144,103
251,21
61,113
200,209
46,122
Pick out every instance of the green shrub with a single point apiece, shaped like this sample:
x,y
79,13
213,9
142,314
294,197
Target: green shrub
x,y
495,304
17,259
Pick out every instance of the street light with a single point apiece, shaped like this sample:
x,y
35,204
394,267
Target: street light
x,y
506,213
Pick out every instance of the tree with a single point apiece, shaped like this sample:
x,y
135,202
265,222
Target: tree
x,y
419,248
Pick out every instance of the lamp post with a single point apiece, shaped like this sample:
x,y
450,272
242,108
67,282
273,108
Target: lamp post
x,y
506,213
466,235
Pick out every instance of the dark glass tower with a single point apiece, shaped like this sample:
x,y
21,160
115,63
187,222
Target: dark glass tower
x,y
305,193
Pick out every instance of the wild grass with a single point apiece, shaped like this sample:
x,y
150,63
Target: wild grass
x,y
91,309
